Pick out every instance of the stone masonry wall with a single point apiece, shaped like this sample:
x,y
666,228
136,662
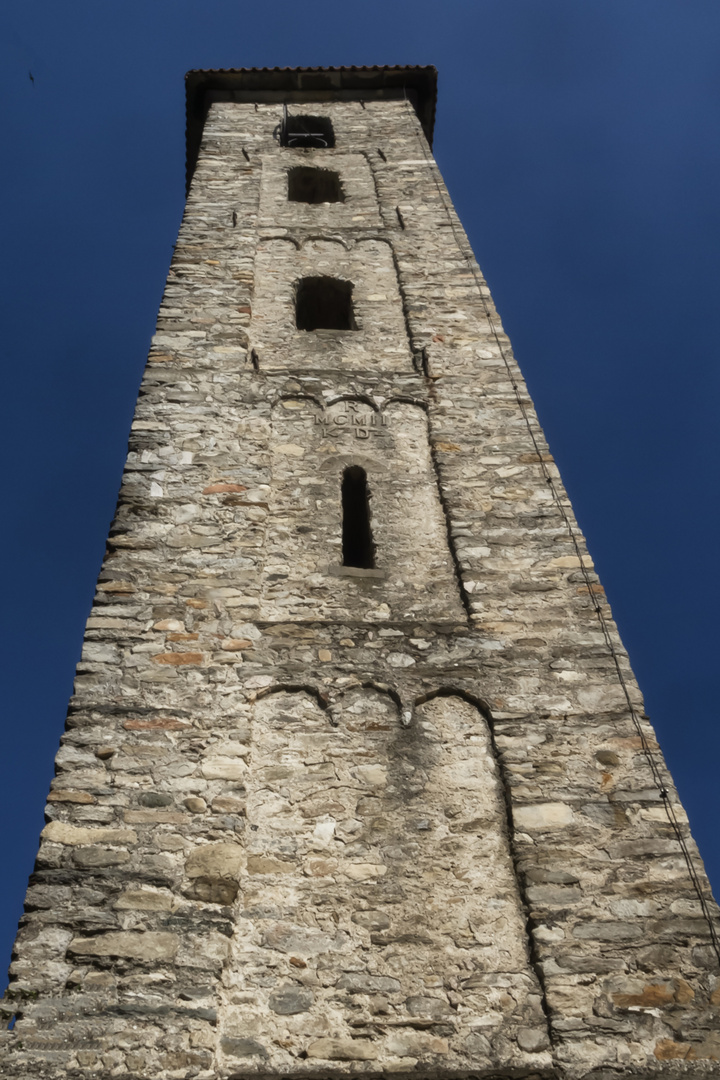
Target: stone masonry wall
x,y
315,820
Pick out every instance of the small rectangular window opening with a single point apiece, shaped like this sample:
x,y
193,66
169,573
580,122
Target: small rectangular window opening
x,y
314,185
324,303
358,548
311,132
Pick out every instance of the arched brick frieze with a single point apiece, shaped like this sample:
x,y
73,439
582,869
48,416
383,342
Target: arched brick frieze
x,y
373,240
297,398
287,238
320,697
317,240
366,398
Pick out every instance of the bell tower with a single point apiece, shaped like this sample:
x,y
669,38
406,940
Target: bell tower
x,y
356,778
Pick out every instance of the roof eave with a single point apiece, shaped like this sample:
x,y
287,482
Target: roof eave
x,y
202,87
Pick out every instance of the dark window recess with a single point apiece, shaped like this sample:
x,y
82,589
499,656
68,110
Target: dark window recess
x,y
324,303
314,185
358,548
312,132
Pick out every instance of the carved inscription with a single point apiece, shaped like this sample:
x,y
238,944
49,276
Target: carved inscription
x,y
362,424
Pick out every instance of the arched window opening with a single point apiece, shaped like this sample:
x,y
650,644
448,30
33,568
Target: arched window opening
x,y
324,303
358,548
311,132
314,185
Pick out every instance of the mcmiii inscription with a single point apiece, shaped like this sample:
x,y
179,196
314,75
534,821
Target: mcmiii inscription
x,y
361,425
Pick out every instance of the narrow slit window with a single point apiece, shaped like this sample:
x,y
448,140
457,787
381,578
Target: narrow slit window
x,y
358,548
311,132
314,185
324,303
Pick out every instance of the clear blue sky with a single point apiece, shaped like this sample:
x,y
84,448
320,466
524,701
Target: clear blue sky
x,y
579,142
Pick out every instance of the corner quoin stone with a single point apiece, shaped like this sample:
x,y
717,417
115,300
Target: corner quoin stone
x,y
137,946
